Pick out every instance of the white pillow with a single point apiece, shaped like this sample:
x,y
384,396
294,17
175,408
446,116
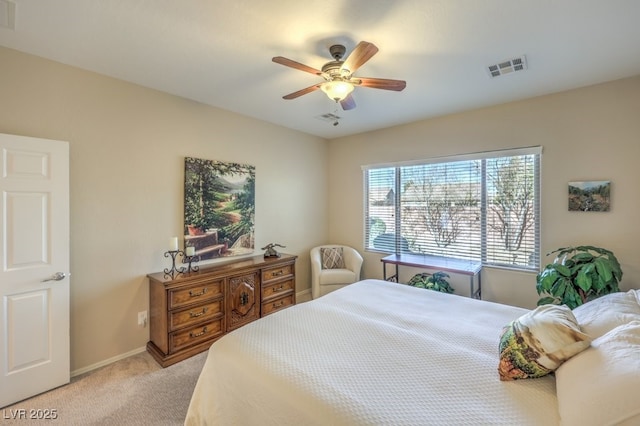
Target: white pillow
x,y
601,385
605,313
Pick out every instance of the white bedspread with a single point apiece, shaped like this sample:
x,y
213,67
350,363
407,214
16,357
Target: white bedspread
x,y
372,353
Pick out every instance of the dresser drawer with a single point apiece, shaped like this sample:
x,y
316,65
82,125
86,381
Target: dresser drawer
x,y
277,289
276,305
197,292
282,271
193,335
194,314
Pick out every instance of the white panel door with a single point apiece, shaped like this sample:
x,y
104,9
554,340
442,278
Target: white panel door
x,y
34,268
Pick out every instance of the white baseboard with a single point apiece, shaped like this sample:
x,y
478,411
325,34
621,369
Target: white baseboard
x,y
107,361
302,296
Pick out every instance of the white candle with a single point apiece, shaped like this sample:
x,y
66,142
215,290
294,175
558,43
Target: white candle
x,y
191,251
173,244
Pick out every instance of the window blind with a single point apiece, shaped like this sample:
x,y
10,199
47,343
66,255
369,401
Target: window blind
x,y
483,207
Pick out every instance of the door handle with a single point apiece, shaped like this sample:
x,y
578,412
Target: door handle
x,y
58,276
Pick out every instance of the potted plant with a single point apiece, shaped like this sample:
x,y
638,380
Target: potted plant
x,y
435,281
577,275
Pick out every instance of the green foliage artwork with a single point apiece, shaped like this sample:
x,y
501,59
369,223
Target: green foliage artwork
x,y
219,207
591,196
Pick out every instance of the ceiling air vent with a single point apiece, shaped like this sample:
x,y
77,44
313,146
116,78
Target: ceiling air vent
x,y
329,117
508,66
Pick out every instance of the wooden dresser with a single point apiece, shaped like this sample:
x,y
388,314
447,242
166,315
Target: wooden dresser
x,y
188,312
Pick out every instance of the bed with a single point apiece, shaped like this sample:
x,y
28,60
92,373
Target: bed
x,y
374,353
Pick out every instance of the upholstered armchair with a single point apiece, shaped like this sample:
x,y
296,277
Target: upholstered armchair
x,y
333,266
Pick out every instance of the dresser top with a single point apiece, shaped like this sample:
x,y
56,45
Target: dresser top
x,y
224,267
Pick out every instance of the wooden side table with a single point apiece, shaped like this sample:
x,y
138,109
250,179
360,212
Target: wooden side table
x,y
464,267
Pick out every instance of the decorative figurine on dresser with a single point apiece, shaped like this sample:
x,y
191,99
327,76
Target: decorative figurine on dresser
x,y
270,250
189,310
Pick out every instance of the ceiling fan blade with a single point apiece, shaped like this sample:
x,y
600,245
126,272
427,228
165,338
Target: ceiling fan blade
x,y
348,103
361,54
297,65
302,92
381,83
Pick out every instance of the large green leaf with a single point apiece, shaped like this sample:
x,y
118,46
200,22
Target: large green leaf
x,y
547,301
583,257
577,303
571,298
604,269
615,268
562,269
598,283
561,251
561,287
546,279
583,279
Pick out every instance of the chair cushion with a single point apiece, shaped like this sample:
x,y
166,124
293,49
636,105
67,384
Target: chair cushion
x,y
336,276
332,257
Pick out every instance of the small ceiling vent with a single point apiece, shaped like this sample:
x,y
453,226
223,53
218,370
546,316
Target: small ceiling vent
x,y
508,66
330,118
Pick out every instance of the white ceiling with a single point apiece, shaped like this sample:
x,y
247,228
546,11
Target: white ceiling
x,y
219,52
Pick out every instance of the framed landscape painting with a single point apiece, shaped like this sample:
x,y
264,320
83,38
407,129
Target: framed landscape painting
x,y
219,208
589,196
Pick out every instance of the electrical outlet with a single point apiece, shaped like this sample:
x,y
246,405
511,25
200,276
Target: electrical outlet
x,y
142,318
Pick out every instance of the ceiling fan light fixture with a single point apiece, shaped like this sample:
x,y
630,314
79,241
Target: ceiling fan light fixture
x,y
338,75
337,90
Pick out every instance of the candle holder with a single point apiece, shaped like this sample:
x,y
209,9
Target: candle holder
x,y
174,270
189,260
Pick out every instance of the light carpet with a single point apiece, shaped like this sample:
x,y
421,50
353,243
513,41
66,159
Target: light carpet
x,y
132,391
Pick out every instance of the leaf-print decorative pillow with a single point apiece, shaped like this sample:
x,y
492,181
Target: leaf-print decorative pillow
x,y
538,342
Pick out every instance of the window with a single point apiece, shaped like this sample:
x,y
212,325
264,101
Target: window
x,y
483,207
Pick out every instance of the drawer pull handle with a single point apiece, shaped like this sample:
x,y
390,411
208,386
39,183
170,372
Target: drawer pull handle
x,y
192,334
278,304
277,289
277,274
192,294
197,314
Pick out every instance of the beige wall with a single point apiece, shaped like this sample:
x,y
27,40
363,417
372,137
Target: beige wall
x,y
127,149
586,134
128,144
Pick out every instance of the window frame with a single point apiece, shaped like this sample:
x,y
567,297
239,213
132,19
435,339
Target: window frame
x,y
536,151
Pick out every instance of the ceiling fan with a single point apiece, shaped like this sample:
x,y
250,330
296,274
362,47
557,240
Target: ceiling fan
x,y
338,74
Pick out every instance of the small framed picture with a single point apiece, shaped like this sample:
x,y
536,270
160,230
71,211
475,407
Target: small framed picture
x,y
589,196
